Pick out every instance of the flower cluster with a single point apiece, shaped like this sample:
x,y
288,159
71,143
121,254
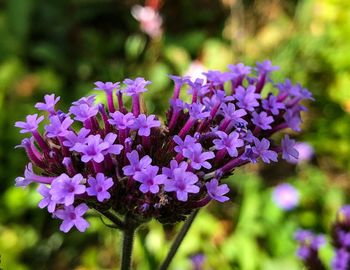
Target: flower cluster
x,y
309,244
340,235
127,162
341,240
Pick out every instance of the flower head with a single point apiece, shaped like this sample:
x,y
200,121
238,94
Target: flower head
x,y
49,105
31,124
98,186
73,216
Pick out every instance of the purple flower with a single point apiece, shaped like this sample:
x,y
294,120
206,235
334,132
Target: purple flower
x,y
47,200
293,120
247,98
90,100
262,120
49,105
144,124
289,152
305,151
229,142
58,128
114,149
266,67
63,188
73,217
285,196
229,111
135,87
261,149
83,112
188,143
31,124
73,139
92,149
198,261
98,187
169,172
239,69
149,179
341,260
122,121
198,111
217,192
197,157
182,183
30,176
136,165
108,87
272,104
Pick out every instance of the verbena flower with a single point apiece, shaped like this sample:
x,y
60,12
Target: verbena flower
x,y
114,158
285,196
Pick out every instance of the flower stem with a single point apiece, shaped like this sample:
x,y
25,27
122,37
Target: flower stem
x,y
128,241
178,240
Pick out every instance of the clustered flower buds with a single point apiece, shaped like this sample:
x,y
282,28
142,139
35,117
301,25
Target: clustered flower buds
x,y
127,162
340,234
341,239
309,245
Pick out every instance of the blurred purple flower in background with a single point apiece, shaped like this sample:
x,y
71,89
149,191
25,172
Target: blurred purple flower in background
x,y
285,196
306,153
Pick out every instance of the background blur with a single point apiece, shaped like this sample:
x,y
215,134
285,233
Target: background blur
x,y
64,46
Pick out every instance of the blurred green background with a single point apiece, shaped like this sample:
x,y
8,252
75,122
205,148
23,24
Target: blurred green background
x,y
64,46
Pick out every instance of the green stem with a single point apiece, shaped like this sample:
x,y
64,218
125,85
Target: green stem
x,y
178,240
128,241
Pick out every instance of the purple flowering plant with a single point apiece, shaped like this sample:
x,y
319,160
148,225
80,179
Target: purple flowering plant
x,y
310,243
132,167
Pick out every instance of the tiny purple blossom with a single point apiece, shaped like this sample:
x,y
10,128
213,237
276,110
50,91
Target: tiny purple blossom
x,y
293,120
216,191
182,183
230,142
122,121
136,164
285,196
92,149
114,149
83,112
261,149
247,98
73,217
187,143
31,124
144,124
89,100
47,200
198,158
266,67
289,153
198,111
73,139
169,172
30,176
63,188
49,105
98,187
273,105
341,259
149,179
229,112
262,120
135,87
305,150
239,69
58,128
108,87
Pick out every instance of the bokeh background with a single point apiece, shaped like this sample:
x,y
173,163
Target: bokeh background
x,y
64,46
